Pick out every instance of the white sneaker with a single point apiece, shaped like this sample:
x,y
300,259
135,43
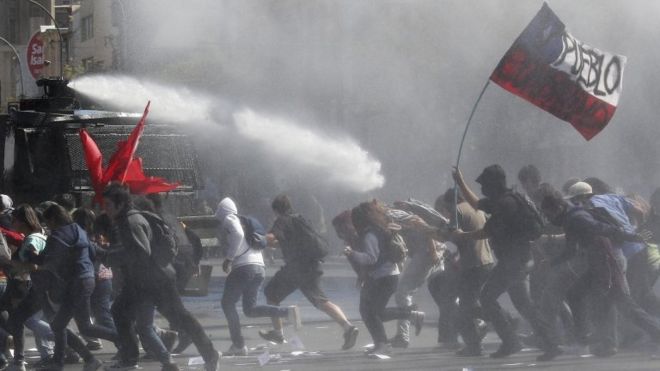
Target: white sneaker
x,y
294,317
236,351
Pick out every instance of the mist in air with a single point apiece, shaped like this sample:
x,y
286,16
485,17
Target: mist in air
x,y
399,78
341,162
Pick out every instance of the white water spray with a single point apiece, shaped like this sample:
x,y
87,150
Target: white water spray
x,y
128,94
340,162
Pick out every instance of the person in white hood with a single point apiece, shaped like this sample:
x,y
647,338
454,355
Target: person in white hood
x,y
246,273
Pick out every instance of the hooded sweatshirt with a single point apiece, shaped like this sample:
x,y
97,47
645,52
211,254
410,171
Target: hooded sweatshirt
x,y
68,253
231,236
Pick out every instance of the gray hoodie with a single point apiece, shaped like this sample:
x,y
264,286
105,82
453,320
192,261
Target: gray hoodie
x,y
231,236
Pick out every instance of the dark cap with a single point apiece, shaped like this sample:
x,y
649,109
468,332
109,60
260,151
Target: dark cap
x,y
492,174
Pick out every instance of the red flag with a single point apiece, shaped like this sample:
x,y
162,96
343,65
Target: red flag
x,y
94,161
553,70
120,160
139,183
13,237
123,166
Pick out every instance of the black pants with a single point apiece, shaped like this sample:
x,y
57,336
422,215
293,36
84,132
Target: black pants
x,y
612,294
76,305
443,286
470,284
22,304
374,296
511,275
162,292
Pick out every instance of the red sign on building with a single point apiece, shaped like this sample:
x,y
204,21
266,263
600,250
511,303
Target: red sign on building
x,y
35,55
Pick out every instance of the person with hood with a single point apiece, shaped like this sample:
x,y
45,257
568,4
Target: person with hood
x,y
146,285
245,270
512,248
69,256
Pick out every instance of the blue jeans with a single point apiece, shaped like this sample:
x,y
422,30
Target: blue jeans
x,y
43,335
245,281
76,306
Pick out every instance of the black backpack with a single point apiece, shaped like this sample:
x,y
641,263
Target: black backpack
x,y
164,244
308,243
529,221
253,231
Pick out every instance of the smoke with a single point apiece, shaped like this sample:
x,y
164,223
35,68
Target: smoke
x,y
341,162
401,78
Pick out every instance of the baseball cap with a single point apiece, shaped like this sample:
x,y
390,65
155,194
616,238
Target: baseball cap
x,y
492,174
6,204
579,189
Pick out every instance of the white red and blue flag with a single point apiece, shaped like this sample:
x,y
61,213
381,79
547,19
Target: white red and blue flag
x,y
553,70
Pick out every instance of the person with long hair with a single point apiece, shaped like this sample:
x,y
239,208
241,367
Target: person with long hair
x,y
373,228
21,300
69,256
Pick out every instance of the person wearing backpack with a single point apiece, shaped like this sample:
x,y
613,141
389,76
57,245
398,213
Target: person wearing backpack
x,y
69,255
591,257
139,243
245,270
510,230
372,225
303,250
423,257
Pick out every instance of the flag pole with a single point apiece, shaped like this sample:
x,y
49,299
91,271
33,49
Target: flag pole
x,y
460,149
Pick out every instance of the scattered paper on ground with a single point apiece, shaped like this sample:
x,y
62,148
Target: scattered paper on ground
x,y
296,343
379,356
263,358
193,361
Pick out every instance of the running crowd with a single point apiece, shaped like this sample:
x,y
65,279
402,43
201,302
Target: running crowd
x,y
579,265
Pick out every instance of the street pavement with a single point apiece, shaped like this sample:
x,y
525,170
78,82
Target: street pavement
x,y
317,345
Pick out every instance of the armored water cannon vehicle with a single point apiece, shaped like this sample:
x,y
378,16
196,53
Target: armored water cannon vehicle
x,y
42,156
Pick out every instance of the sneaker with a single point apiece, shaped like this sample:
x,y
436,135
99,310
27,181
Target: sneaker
x,y
604,352
170,367
470,351
272,336
169,338
482,328
93,345
417,319
92,365
50,365
148,356
399,342
72,358
294,316
184,342
122,366
507,349
550,354
380,348
236,351
42,362
214,363
350,336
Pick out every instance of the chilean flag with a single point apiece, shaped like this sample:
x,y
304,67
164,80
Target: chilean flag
x,y
551,69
